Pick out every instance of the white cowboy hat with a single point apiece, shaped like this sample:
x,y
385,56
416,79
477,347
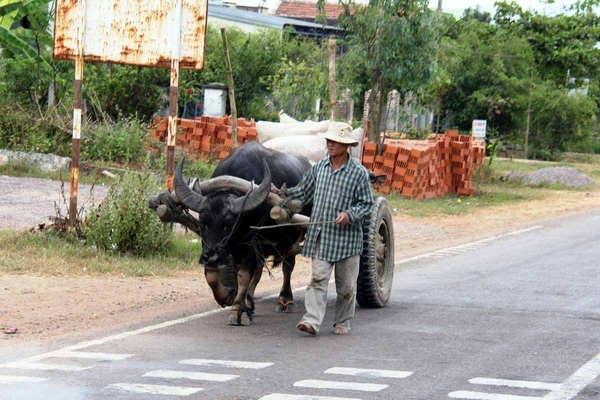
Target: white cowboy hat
x,y
340,132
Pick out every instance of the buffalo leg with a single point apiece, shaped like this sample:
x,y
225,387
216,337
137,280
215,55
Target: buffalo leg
x,y
241,314
285,303
223,295
253,283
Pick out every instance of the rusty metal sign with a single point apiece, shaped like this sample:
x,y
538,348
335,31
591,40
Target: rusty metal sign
x,y
133,32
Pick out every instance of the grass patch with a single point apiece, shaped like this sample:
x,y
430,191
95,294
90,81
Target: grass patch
x,y
23,169
487,195
49,254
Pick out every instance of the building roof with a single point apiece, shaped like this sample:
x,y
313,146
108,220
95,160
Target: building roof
x,y
264,20
308,10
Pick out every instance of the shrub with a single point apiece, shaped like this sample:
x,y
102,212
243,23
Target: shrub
x,y
21,131
124,223
122,141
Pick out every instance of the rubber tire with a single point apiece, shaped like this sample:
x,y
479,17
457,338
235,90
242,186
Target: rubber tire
x,y
374,285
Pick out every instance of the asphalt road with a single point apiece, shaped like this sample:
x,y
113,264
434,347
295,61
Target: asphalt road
x,y
515,317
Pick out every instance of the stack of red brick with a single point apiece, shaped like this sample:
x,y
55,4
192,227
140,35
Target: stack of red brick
x,y
427,168
206,137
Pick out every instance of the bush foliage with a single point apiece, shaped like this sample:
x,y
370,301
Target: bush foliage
x,y
124,223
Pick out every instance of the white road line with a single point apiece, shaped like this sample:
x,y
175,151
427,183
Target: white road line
x,y
317,384
281,396
5,379
91,355
489,396
125,335
513,383
369,373
155,389
226,363
45,367
576,382
197,376
479,242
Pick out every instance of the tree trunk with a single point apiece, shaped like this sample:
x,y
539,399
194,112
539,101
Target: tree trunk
x,y
376,108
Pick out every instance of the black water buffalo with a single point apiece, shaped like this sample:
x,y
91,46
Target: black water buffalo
x,y
225,215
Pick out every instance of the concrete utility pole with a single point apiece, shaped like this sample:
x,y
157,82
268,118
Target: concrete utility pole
x,y
439,9
231,90
528,115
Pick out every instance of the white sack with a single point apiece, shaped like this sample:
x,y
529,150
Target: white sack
x,y
286,119
317,127
358,134
270,130
312,147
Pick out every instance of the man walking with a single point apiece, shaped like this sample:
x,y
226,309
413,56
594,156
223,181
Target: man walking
x,y
340,191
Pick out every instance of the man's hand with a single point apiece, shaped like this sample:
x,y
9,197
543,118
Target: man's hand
x,y
342,218
281,192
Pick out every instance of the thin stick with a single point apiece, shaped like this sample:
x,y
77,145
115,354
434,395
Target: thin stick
x,y
292,224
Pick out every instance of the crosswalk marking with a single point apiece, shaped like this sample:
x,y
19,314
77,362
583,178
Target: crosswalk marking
x,y
513,383
281,396
91,355
489,396
5,379
317,384
197,376
46,367
227,363
369,373
155,389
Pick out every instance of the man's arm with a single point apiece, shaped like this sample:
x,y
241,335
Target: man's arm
x,y
364,200
303,191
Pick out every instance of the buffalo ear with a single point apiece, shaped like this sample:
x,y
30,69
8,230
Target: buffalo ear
x,y
186,196
256,197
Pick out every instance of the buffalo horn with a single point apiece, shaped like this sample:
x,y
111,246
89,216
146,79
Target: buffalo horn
x,y
256,197
186,196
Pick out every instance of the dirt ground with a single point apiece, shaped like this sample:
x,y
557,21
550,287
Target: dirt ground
x,y
48,309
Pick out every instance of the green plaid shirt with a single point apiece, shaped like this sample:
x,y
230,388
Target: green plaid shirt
x,y
346,189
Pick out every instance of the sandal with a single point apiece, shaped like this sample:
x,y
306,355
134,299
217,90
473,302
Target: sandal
x,y
306,327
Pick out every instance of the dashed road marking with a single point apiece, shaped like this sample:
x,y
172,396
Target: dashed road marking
x,y
227,363
317,384
155,389
576,382
281,396
489,396
369,373
514,383
45,366
5,379
197,376
92,355
463,247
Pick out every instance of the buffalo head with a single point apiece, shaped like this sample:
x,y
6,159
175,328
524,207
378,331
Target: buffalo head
x,y
220,214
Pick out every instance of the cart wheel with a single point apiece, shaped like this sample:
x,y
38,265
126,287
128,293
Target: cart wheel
x,y
374,284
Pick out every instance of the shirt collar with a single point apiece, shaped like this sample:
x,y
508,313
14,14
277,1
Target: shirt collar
x,y
343,167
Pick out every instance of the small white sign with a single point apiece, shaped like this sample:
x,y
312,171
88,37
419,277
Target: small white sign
x,y
479,127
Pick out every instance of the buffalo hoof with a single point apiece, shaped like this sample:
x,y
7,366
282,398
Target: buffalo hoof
x,y
250,302
240,317
287,307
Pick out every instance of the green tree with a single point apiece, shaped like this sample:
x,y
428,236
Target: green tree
x,y
564,45
301,79
486,71
395,41
559,119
